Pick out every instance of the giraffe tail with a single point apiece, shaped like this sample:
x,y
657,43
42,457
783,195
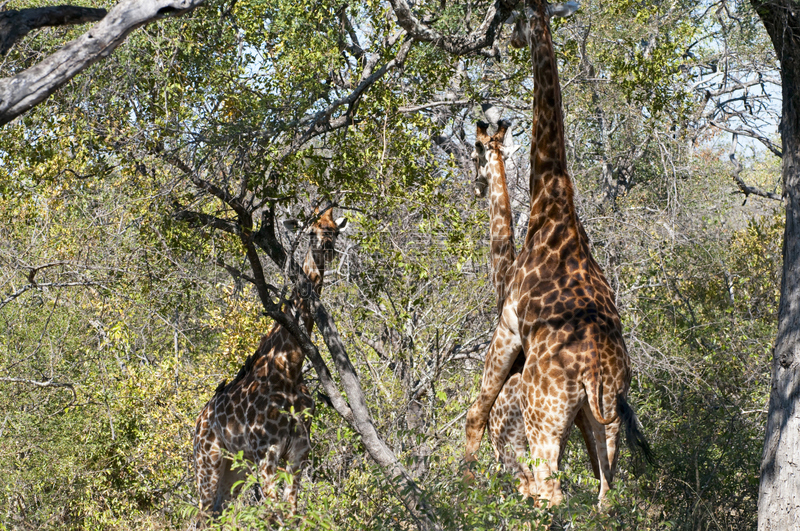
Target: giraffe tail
x,y
593,393
595,389
633,435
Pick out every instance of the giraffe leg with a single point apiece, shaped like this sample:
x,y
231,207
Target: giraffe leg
x,y
267,467
296,459
548,420
507,432
607,444
502,353
208,464
583,424
225,487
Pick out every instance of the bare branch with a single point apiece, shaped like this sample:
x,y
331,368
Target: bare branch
x,y
424,106
321,123
35,285
32,86
752,134
16,24
737,170
43,384
206,220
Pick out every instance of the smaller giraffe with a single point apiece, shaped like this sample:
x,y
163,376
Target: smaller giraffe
x,y
506,424
265,411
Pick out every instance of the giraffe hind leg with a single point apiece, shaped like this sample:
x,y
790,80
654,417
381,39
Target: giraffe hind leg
x,y
228,487
585,427
607,445
296,459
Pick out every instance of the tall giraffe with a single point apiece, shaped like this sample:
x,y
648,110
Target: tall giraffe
x,y
559,309
506,424
265,411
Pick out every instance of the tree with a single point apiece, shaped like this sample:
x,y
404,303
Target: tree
x,y
779,490
155,174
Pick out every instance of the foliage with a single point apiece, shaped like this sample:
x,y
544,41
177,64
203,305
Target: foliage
x,y
118,320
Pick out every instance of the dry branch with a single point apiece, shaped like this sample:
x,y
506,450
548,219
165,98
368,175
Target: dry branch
x,y
32,86
16,24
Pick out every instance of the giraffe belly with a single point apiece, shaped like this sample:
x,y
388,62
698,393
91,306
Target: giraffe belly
x,y
265,425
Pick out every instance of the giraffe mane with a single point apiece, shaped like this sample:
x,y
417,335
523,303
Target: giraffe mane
x,y
249,363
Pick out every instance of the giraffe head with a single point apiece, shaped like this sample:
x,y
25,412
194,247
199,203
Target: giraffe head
x,y
322,234
490,152
520,38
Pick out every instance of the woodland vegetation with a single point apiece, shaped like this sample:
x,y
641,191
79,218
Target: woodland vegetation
x,y
134,200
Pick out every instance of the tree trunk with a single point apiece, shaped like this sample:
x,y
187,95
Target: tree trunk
x,y
779,489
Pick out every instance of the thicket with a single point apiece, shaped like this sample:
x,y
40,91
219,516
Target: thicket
x,y
118,319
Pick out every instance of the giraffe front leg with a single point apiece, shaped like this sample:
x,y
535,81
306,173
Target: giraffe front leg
x,y
208,466
267,467
296,459
502,353
507,432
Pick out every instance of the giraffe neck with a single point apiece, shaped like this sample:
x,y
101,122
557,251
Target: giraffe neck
x,y
314,268
550,185
280,354
500,227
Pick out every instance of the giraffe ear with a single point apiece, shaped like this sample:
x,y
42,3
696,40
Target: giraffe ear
x,y
480,149
342,224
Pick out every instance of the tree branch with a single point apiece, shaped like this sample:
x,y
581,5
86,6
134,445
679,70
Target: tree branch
x,y
746,189
752,134
35,285
405,487
321,123
43,384
28,88
16,24
482,37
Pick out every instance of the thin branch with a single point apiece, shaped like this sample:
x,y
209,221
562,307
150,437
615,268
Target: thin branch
x,y
745,188
424,106
484,36
198,219
321,122
43,384
752,134
28,287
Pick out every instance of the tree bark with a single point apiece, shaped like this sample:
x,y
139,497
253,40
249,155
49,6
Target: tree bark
x,y
779,488
32,86
16,24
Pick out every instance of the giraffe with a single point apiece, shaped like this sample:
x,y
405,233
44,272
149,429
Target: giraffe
x,y
265,411
506,425
559,309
